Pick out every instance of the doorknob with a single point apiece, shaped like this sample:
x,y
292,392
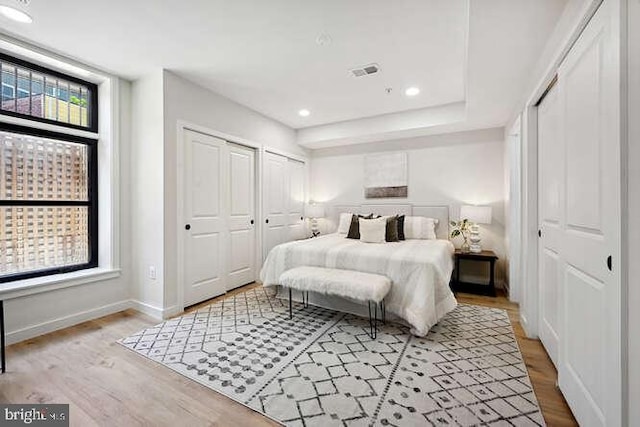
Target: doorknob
x,y
539,233
609,262
251,222
267,220
301,218
187,227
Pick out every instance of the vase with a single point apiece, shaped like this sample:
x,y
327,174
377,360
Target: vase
x,y
465,248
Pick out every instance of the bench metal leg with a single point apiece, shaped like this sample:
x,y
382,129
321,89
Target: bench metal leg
x,y
305,302
3,355
373,327
373,320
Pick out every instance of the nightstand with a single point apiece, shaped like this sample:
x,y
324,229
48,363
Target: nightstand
x,y
475,288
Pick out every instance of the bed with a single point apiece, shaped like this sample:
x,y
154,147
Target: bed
x,y
419,269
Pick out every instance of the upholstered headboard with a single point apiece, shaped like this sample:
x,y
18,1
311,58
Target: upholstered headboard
x,y
441,213
385,210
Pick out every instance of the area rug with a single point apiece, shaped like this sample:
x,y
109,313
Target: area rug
x,y
323,369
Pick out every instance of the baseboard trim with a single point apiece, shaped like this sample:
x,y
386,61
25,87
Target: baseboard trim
x,y
66,321
171,311
156,312
526,327
507,288
148,309
84,316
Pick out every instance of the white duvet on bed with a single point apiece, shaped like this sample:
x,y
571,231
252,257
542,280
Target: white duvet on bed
x,y
419,269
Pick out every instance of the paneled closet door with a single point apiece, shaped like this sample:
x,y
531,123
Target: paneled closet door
x,y
590,342
296,198
550,215
242,229
275,197
205,184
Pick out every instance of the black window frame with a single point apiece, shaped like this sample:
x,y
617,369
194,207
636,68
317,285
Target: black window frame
x,y
91,203
92,87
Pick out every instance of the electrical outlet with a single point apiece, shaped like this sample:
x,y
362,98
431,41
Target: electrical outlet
x,y
152,272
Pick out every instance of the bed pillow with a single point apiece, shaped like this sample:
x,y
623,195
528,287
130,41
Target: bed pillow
x,y
345,223
354,228
373,230
420,227
400,223
391,232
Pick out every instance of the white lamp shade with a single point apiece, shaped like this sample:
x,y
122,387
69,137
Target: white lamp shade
x,y
476,214
314,210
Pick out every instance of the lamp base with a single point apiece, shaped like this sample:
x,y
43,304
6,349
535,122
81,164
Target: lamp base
x,y
475,239
315,231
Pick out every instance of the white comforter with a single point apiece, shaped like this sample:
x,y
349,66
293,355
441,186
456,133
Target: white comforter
x,y
419,269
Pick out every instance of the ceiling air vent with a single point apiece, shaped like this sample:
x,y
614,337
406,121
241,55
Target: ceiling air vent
x,y
365,70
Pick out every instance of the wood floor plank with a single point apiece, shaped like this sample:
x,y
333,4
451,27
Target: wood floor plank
x,y
109,385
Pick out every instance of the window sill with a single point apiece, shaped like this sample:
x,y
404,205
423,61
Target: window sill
x,y
21,288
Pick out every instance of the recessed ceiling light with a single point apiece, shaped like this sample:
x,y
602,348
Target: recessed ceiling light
x,y
323,39
15,14
304,112
412,91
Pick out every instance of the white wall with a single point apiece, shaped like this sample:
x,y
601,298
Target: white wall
x,y
513,209
452,169
37,314
147,175
508,220
557,43
188,102
633,192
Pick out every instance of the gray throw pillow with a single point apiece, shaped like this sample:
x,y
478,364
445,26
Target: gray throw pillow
x,y
391,234
401,227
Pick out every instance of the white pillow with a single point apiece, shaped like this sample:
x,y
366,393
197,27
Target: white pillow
x,y
372,230
345,223
420,227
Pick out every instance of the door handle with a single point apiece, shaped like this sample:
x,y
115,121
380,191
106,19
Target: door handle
x,y
267,220
187,227
539,233
301,218
251,222
609,262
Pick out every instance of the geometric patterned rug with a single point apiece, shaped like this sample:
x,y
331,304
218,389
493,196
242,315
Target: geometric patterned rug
x,y
323,369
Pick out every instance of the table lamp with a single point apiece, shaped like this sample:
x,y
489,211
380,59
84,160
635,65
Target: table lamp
x,y
313,211
476,215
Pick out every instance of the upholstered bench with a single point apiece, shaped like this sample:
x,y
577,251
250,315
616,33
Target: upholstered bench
x,y
354,285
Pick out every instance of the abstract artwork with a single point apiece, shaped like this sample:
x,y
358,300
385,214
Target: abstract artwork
x,y
385,175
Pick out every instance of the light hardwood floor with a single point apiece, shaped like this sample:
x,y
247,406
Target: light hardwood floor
x,y
108,385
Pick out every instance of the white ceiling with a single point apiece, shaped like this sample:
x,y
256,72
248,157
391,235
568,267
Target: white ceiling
x,y
264,54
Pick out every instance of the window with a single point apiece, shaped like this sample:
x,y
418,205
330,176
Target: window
x,y
48,203
36,93
48,180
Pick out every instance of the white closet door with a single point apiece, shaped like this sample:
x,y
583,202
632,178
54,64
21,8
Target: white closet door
x,y
242,234
590,364
205,169
550,215
296,197
275,198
